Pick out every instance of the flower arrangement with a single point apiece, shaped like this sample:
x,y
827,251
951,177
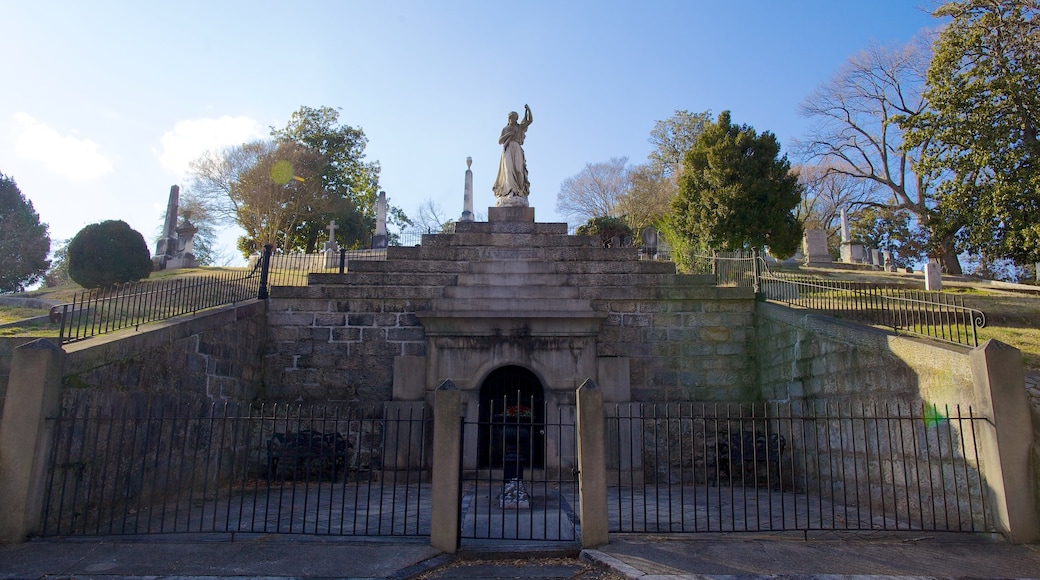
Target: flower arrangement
x,y
518,412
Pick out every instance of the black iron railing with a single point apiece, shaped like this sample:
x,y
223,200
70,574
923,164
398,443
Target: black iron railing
x,y
172,468
693,467
291,269
104,310
936,315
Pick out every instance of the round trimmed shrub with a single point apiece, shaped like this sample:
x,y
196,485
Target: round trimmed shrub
x,y
108,253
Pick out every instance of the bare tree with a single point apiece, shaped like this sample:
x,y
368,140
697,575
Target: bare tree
x,y
595,191
857,132
826,193
648,198
214,176
432,219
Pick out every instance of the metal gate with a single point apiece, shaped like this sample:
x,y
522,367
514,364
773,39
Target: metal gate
x,y
694,467
163,467
522,483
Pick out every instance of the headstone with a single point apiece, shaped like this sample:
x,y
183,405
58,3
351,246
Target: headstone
x,y
166,248
845,228
185,241
467,195
875,257
852,253
888,264
932,277
649,237
331,246
379,240
814,246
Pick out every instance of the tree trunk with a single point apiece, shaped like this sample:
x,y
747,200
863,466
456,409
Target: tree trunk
x,y
948,260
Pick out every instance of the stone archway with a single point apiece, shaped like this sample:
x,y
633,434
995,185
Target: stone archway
x,y
505,388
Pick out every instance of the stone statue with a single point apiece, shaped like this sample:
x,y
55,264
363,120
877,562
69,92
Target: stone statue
x,y
511,187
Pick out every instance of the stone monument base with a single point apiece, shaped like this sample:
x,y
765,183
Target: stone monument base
x,y
511,214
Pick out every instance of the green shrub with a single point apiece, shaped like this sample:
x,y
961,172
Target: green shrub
x,y
606,228
108,253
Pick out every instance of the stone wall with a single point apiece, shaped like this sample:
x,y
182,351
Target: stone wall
x,y
327,348
213,356
690,349
803,356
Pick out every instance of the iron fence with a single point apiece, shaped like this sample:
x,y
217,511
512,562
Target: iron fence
x,y
793,467
170,468
520,484
292,269
936,315
103,310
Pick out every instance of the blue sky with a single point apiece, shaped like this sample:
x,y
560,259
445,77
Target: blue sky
x,y
105,102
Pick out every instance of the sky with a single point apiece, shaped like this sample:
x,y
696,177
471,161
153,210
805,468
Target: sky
x,y
104,103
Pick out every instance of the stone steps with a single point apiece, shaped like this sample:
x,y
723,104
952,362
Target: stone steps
x,y
510,240
505,254
509,292
513,307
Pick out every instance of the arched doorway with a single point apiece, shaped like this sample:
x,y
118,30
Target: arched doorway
x,y
511,395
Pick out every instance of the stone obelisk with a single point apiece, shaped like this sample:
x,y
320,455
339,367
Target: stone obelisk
x,y
467,196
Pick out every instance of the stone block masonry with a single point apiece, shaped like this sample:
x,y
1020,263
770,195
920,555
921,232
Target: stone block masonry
x,y
338,349
502,293
212,356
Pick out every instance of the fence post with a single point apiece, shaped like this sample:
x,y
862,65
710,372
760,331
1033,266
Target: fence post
x,y
265,266
447,455
342,260
757,269
33,397
1005,442
592,466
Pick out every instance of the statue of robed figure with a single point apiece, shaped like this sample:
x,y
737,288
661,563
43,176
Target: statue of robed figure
x,y
511,187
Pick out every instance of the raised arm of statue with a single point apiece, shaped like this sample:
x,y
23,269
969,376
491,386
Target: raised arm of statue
x,y
528,119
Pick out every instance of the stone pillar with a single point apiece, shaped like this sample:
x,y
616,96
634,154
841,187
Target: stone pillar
x,y
447,453
467,195
33,396
1006,439
379,240
592,467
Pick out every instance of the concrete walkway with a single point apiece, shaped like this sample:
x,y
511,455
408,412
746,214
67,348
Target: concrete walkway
x,y
248,552
670,557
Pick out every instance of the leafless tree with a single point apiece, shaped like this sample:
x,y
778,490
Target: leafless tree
x,y
595,191
648,198
432,219
857,133
828,192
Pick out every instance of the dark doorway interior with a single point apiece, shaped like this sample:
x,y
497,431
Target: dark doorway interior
x,y
511,396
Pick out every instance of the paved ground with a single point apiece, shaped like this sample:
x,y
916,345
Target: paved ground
x,y
497,543
670,557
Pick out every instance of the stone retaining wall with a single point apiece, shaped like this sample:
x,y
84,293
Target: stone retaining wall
x,y
683,350
214,355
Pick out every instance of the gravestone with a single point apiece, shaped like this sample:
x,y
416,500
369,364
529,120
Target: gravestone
x,y
932,277
888,264
331,246
875,257
467,195
379,240
649,249
814,247
174,249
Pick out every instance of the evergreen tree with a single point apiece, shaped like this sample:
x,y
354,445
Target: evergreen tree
x,y
737,192
24,243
